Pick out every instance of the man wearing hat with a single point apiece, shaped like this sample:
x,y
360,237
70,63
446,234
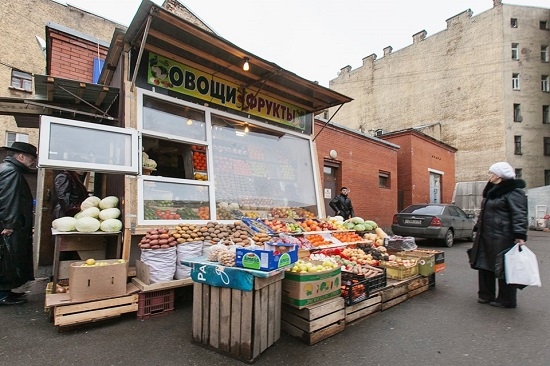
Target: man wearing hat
x,y
16,221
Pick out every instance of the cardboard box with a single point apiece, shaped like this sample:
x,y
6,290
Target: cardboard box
x,y
302,289
97,282
267,259
439,257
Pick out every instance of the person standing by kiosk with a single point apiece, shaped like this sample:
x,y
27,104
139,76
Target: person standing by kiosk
x,y
341,204
16,222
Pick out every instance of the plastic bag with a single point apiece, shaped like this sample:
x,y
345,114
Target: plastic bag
x,y
161,262
521,266
183,252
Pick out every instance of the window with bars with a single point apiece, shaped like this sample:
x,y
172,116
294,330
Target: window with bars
x,y
517,113
546,114
515,81
21,80
517,145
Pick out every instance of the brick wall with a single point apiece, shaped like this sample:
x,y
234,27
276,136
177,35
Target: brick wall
x,y
418,156
361,158
72,57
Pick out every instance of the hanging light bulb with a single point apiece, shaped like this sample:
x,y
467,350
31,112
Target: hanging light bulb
x,y
189,122
246,129
246,66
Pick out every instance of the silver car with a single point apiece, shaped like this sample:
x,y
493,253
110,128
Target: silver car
x,y
442,222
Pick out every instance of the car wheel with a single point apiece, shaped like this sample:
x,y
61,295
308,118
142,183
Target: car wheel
x,y
449,238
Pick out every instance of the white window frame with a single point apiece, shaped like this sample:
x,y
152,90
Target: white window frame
x,y
21,80
544,54
515,51
46,158
545,83
515,81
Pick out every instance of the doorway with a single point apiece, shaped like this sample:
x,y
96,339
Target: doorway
x,y
435,188
330,184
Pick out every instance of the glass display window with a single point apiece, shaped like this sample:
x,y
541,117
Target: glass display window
x,y
172,120
173,200
261,172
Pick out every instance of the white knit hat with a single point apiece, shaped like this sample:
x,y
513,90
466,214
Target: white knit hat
x,y
503,170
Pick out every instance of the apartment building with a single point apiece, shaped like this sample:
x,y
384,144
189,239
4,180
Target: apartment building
x,y
482,85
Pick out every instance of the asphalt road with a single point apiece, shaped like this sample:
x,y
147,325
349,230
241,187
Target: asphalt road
x,y
443,326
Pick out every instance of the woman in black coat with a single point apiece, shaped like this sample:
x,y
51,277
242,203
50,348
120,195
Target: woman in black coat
x,y
501,224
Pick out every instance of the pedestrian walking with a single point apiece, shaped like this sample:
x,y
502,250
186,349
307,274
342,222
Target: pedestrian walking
x,y
501,224
16,222
341,204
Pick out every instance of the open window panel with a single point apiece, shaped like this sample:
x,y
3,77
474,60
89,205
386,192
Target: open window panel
x,y
174,159
76,145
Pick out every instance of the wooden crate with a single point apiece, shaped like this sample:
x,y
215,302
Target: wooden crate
x,y
363,309
315,322
398,291
239,324
67,313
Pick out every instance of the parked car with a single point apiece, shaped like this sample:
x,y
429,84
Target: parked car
x,y
442,222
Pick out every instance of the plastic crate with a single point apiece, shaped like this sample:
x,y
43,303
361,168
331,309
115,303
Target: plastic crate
x,y
376,283
399,272
354,288
155,303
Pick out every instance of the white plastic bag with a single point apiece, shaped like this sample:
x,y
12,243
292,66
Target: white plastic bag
x,y
521,266
161,262
183,252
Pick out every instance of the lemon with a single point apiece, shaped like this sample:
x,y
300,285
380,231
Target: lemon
x,y
90,261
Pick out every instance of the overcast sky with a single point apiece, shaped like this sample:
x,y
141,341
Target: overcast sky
x,y
313,38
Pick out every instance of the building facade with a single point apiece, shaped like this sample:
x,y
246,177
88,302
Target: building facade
x,y
481,85
22,32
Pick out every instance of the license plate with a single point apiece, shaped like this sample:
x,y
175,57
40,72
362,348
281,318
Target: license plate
x,y
412,221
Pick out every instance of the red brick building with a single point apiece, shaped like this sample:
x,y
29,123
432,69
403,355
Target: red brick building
x,y
425,168
366,165
73,55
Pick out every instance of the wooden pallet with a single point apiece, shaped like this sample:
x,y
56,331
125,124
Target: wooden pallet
x,y
363,309
68,313
315,322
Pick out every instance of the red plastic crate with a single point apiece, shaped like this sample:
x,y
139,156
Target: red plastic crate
x,y
155,303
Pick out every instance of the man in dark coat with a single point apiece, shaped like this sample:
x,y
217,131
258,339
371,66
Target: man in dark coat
x,y
501,224
341,204
16,221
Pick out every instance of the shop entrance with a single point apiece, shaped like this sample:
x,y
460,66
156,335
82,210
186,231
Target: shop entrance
x,y
330,172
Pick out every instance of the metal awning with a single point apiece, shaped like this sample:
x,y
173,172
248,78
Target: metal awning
x,y
62,98
160,31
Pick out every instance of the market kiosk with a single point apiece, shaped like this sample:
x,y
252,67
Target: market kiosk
x,y
199,138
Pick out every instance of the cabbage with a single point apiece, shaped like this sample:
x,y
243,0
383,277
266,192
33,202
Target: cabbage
x,y
108,202
349,225
109,213
338,218
110,225
87,224
367,227
66,223
91,201
371,223
357,220
233,206
360,227
89,212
